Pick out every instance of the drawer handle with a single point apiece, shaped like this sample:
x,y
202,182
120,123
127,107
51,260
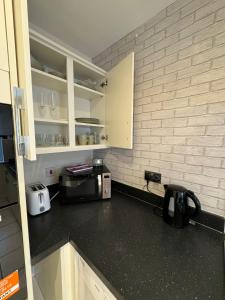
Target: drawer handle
x,y
97,288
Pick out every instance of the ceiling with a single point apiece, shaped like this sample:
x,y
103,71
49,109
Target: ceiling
x,y
91,26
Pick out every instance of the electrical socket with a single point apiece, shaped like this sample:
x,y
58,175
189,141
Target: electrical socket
x,y
50,172
153,176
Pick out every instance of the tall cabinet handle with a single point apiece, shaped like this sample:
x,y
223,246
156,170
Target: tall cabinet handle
x,y
19,94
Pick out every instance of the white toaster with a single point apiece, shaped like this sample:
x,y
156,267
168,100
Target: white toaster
x,y
38,200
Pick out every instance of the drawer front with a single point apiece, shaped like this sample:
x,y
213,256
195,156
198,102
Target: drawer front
x,y
4,65
5,95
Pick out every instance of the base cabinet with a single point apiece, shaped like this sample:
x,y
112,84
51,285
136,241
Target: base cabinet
x,y
47,278
64,275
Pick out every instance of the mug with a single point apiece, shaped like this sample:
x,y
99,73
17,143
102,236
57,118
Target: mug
x,y
82,139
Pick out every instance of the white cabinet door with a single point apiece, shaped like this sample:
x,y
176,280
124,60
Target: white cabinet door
x,y
48,276
24,74
119,104
87,288
4,65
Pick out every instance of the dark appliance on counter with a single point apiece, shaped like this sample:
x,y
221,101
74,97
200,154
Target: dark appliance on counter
x,y
176,210
11,241
88,185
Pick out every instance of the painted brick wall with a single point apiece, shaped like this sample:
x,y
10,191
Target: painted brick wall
x,y
179,105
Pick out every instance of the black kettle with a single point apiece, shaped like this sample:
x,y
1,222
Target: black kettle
x,y
176,210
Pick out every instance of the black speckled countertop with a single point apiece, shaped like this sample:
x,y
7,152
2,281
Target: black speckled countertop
x,y
133,251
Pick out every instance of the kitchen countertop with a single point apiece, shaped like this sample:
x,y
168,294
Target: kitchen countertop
x,y
133,251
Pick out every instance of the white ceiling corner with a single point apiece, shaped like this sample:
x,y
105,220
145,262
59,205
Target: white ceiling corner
x,y
91,26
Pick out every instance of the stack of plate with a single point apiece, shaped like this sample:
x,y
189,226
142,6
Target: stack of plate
x,y
88,120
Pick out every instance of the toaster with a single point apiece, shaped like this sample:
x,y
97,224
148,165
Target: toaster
x,y
38,200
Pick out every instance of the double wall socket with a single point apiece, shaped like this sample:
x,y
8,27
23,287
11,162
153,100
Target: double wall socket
x,y
153,176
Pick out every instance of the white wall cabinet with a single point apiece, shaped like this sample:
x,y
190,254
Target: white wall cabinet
x,y
65,275
4,65
64,91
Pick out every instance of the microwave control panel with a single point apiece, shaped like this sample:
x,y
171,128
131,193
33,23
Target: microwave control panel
x,y
106,185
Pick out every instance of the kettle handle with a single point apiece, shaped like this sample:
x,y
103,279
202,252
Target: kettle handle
x,y
197,210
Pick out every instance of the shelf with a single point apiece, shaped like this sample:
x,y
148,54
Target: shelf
x,y
50,121
88,70
89,125
85,92
45,150
49,81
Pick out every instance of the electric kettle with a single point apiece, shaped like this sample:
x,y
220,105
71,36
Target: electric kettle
x,y
176,210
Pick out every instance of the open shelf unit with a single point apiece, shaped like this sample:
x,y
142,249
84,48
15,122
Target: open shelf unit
x,y
65,88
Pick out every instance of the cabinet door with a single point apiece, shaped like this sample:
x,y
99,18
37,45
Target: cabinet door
x,y
24,75
89,287
48,276
3,40
119,104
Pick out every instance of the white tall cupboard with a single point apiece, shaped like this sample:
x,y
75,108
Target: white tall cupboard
x,y
9,80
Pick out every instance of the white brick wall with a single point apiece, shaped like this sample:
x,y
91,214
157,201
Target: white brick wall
x,y
179,105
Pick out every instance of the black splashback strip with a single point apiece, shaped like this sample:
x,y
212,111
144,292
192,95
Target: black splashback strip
x,y
205,218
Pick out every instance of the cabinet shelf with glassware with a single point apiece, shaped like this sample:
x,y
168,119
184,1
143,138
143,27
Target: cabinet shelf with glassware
x,y
50,100
50,117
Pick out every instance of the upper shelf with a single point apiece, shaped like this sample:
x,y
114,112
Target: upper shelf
x,y
49,81
84,71
86,93
89,125
48,56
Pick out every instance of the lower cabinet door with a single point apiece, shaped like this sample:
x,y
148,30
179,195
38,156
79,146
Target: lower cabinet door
x,y
48,276
96,289
88,287
84,290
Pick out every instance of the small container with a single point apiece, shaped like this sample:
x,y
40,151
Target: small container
x,y
91,139
97,162
82,139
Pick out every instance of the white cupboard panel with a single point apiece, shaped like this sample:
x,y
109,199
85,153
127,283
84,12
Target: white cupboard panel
x,y
5,94
4,65
119,104
48,275
24,74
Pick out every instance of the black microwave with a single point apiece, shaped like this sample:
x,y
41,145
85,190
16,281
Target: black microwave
x,y
88,185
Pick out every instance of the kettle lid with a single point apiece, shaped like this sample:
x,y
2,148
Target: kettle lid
x,y
174,187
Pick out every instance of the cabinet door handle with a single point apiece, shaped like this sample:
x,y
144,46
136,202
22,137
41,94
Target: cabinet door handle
x,y
19,94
